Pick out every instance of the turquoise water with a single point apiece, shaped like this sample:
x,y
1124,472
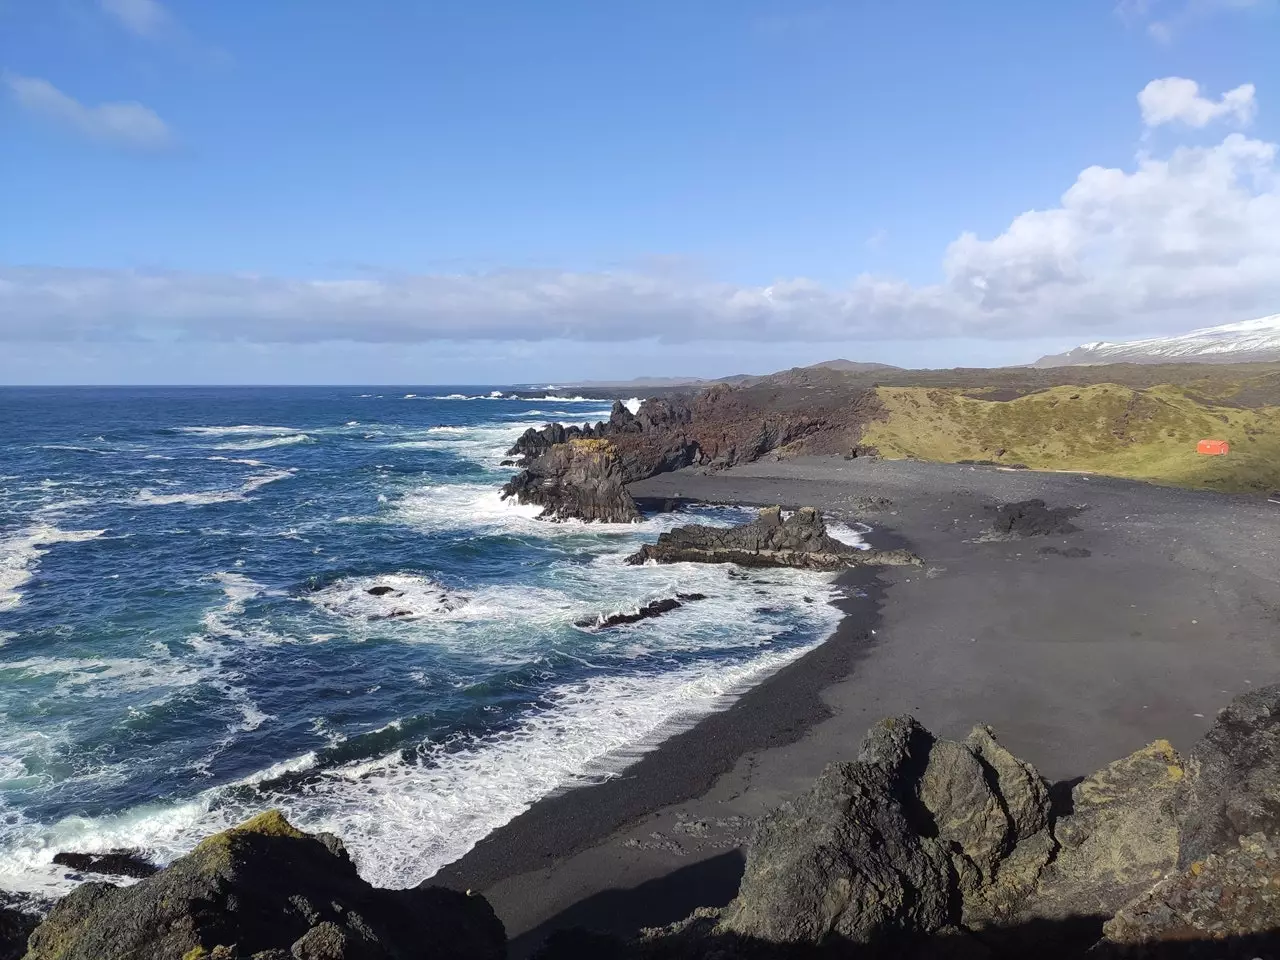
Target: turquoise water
x,y
187,634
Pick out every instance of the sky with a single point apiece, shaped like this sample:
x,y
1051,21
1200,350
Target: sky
x,y
498,191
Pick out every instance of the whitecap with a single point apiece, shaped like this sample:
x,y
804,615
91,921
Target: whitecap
x,y
199,498
265,444
21,552
400,596
245,428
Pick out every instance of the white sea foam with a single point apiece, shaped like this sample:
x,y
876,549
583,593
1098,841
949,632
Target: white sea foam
x,y
403,820
239,460
200,498
287,440
406,596
106,676
633,404
20,553
243,428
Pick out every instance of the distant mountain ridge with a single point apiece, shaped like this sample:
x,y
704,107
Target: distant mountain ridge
x,y
653,383
1248,341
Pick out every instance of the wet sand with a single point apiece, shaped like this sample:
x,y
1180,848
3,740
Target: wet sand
x,y
1073,660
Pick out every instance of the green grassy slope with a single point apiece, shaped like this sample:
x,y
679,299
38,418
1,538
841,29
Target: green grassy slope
x,y
1146,433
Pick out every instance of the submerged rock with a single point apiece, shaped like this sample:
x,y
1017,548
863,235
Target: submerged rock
x,y
265,889
801,540
580,480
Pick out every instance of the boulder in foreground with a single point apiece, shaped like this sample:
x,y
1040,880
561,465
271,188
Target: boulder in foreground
x,y
801,540
930,848
266,891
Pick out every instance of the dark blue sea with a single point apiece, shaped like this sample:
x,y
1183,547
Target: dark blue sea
x,y
187,632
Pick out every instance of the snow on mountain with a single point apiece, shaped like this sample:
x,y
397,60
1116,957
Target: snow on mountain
x,y
1251,340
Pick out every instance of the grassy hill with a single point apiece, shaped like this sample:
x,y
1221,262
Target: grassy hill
x,y
1147,432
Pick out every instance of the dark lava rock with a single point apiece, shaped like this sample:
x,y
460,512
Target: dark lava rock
x,y
768,541
117,863
1033,518
381,591
1075,552
931,848
1228,903
655,608
266,890
1233,782
15,927
578,479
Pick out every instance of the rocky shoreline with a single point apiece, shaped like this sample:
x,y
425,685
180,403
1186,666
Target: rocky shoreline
x,y
921,847
800,541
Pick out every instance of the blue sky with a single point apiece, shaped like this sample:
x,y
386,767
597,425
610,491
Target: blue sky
x,y
489,192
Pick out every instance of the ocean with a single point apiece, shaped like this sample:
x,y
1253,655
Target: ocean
x,y
193,625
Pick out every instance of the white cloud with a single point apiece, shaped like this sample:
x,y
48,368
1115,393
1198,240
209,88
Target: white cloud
x,y
146,18
1164,20
1187,239
126,123
1176,99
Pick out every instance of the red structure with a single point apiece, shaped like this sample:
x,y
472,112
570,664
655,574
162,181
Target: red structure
x,y
1213,448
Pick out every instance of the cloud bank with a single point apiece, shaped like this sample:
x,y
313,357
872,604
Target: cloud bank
x,y
124,123
1187,239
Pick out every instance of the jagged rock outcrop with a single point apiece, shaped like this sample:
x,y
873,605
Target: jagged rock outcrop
x,y
801,540
718,428
1232,787
1232,895
932,848
534,442
266,891
576,480
15,927
855,858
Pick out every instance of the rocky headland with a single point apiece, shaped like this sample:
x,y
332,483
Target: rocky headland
x,y
715,429
800,540
919,847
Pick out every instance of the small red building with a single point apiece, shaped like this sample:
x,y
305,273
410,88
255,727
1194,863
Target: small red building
x,y
1213,448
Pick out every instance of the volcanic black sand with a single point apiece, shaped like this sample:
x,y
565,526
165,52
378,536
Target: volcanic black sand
x,y
1076,647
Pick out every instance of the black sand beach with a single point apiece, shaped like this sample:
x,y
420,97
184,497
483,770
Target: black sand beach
x,y
1076,648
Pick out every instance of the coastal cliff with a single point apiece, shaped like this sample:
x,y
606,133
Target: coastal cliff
x,y
718,428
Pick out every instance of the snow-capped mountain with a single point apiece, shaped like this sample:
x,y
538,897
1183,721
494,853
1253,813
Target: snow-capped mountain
x,y
1252,340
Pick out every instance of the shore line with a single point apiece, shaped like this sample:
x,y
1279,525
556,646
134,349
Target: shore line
x,y
774,712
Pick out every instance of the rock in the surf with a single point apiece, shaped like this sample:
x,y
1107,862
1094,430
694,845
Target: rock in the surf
x,y
266,889
654,608
580,479
801,540
116,863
